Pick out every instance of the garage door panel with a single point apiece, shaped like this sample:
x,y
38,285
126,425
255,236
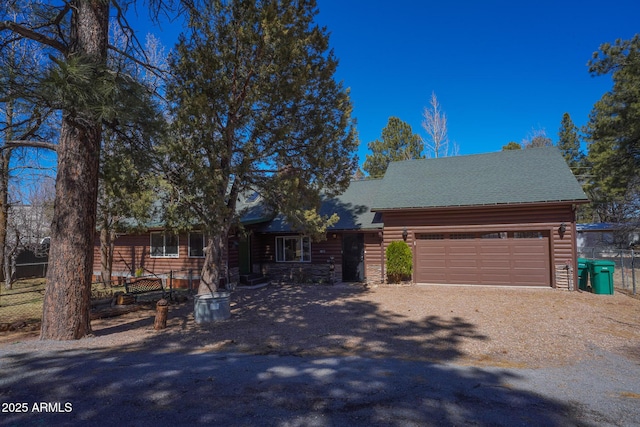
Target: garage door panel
x,y
495,263
487,270
433,275
435,250
463,263
494,252
501,261
455,255
523,249
492,279
496,280
531,265
460,279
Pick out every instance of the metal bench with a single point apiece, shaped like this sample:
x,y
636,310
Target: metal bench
x,y
143,285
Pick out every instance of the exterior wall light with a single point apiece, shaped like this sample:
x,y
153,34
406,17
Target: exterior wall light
x,y
405,234
562,228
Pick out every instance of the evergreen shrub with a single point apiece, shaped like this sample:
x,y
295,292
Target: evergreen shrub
x,y
399,262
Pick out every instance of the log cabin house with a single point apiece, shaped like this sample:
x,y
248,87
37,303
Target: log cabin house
x,y
504,218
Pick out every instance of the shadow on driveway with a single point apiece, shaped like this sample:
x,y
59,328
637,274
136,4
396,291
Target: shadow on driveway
x,y
290,356
146,389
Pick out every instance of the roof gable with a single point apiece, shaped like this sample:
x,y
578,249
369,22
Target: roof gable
x,y
353,207
507,177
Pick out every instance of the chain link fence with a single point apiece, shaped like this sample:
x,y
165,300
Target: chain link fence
x,y
627,265
22,304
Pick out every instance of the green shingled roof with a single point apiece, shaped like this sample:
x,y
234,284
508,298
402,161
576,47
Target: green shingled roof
x,y
353,207
506,177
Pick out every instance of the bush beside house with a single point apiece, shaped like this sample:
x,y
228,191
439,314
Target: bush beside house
x,y
399,262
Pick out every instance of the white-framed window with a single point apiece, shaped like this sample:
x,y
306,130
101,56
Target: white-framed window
x,y
164,245
293,249
196,245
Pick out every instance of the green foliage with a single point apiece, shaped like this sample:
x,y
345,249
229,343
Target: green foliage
x,y
613,130
128,173
399,262
398,142
613,134
255,107
85,90
511,146
569,145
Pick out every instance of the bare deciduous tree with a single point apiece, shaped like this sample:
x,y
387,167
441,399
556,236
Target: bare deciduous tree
x,y
28,224
435,124
537,138
24,121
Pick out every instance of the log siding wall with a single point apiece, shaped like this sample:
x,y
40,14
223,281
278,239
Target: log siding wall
x,y
133,251
264,261
373,257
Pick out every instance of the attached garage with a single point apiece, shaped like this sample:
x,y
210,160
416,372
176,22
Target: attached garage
x,y
485,258
505,218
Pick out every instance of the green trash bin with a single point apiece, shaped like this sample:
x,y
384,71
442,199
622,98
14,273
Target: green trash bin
x,y
601,273
583,274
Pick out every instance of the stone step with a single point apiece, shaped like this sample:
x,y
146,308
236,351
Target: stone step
x,y
252,279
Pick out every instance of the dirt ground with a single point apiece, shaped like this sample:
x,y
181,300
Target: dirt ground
x,y
482,326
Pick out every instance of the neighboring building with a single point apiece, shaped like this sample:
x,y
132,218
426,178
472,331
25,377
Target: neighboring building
x,y
607,236
505,218
27,244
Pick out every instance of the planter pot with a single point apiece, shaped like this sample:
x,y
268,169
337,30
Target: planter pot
x,y
212,307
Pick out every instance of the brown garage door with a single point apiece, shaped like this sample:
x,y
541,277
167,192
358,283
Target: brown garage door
x,y
505,258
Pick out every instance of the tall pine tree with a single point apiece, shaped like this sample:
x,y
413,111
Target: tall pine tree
x,y
613,133
81,86
613,129
256,108
398,142
569,145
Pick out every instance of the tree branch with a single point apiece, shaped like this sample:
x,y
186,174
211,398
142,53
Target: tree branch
x,y
33,35
32,144
157,71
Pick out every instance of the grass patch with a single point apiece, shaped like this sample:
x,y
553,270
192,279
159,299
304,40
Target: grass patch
x,y
23,303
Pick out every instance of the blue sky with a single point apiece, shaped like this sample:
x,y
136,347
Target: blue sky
x,y
500,69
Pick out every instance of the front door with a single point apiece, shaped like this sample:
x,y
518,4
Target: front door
x,y
352,257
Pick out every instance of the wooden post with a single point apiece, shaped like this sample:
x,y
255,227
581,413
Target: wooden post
x,y
162,308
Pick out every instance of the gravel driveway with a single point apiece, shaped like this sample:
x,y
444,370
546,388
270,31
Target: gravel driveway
x,y
346,355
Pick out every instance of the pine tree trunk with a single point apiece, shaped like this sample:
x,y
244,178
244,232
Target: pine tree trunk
x,y
66,302
213,264
5,159
107,238
4,213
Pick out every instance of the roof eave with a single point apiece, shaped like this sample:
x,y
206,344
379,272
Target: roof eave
x,y
486,205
